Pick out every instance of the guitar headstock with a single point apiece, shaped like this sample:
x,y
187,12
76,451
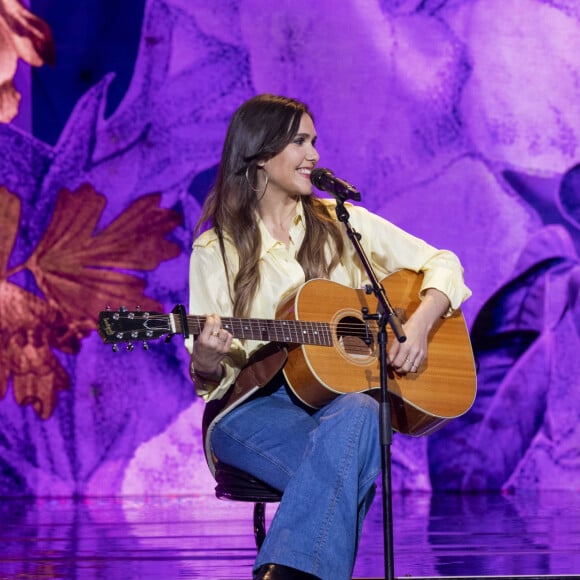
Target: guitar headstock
x,y
124,326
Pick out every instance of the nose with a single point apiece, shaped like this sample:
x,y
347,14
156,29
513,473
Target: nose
x,y
312,154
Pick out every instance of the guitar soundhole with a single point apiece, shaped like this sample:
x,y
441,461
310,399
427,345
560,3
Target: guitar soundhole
x,y
354,338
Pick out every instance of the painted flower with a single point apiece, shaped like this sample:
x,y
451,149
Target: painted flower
x,y
72,266
22,35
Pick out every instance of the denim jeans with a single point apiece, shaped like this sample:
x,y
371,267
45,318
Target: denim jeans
x,y
326,461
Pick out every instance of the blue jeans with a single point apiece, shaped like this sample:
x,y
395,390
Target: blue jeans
x,y
326,462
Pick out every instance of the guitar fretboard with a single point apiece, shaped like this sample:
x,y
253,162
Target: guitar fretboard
x,y
291,331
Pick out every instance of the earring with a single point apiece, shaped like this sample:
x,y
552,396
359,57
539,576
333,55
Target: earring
x,y
248,180
257,190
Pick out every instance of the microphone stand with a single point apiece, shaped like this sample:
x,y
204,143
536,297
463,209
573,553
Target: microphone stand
x,y
385,315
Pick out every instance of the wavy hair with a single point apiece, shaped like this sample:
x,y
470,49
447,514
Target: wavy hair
x,y
260,129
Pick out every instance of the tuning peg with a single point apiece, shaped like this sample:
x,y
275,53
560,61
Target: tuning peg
x,y
108,308
130,346
123,309
145,345
115,347
138,309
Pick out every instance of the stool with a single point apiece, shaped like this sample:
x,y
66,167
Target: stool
x,y
237,485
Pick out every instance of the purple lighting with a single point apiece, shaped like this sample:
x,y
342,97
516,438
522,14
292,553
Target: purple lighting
x,y
455,120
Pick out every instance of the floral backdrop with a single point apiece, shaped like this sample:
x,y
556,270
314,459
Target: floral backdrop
x,y
459,120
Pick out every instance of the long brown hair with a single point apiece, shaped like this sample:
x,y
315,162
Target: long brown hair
x,y
260,129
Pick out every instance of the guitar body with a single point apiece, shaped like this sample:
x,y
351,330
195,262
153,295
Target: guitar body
x,y
442,389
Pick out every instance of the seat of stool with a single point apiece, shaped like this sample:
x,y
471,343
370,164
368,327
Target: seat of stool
x,y
238,485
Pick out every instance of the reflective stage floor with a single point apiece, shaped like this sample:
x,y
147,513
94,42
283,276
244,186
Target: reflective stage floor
x,y
442,535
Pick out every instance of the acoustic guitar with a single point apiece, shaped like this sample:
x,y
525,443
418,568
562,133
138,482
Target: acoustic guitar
x,y
332,348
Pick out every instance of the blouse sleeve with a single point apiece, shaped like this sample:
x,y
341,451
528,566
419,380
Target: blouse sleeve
x,y
208,294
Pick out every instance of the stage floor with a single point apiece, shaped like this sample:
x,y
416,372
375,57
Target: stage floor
x,y
440,535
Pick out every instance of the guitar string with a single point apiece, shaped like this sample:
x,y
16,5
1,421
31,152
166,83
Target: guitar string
x,y
260,323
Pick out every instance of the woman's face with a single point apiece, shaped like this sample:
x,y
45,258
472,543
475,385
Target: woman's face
x,y
289,171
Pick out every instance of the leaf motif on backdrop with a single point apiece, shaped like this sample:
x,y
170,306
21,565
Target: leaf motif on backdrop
x,y
525,339
73,267
22,35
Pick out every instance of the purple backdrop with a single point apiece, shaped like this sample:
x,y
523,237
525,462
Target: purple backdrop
x,y
458,120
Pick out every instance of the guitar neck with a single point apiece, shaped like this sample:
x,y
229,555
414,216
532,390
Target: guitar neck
x,y
287,331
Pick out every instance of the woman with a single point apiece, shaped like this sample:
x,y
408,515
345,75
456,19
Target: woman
x,y
268,235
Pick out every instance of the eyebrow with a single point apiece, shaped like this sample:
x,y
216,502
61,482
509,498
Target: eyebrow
x,y
307,135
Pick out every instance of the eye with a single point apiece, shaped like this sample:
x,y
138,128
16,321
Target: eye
x,y
299,141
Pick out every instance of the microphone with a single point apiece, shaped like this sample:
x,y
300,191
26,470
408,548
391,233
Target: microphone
x,y
325,180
